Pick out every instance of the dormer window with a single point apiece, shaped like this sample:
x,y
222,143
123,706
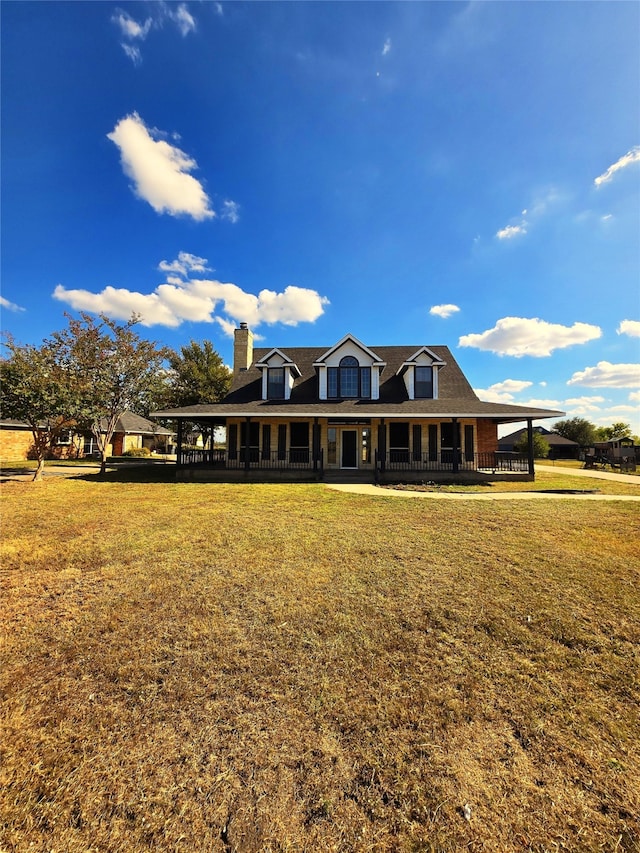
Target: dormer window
x,y
349,380
349,371
275,383
423,383
420,374
278,375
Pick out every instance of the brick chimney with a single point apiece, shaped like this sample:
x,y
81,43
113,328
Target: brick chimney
x,y
242,348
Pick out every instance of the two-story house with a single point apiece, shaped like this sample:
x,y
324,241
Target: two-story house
x,y
349,410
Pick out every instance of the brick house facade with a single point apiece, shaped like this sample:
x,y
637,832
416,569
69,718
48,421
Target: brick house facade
x,y
350,410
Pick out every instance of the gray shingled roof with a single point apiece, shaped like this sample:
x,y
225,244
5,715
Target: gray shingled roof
x,y
456,397
129,422
552,438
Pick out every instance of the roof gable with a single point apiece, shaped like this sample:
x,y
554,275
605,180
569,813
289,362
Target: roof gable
x,y
280,359
423,356
349,338
424,351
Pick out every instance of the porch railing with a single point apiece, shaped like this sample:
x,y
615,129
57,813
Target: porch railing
x,y
393,460
253,458
406,460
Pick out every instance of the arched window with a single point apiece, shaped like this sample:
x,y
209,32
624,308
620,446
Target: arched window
x,y
349,379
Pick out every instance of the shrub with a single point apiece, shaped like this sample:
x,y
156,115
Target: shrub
x,y
137,451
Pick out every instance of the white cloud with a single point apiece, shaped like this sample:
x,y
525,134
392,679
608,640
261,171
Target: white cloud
x,y
10,306
520,336
230,211
634,397
386,47
132,52
199,301
584,405
227,326
493,396
511,231
540,403
129,27
513,386
443,311
623,410
182,18
184,264
607,375
160,171
538,208
629,327
132,30
627,159
584,401
502,392
218,9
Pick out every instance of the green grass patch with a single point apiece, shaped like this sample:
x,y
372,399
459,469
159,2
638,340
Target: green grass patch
x,y
287,668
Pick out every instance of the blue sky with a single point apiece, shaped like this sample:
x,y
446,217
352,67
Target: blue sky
x,y
465,174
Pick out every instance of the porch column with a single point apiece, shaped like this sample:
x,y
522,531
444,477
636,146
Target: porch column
x,y
382,444
456,444
247,441
532,469
316,443
179,443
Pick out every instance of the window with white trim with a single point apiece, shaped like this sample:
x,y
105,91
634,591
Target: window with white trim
x,y
423,383
349,380
275,383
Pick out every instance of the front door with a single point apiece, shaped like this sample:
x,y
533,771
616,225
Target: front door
x,y
349,456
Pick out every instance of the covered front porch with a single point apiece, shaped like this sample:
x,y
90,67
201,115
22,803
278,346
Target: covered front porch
x,y
366,450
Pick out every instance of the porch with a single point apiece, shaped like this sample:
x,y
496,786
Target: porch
x,y
391,466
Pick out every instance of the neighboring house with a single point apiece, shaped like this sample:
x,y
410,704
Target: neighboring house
x,y
559,447
16,440
16,443
132,431
383,412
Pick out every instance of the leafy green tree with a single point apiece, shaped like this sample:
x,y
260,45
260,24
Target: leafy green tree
x,y
576,429
34,388
616,430
198,375
111,370
540,445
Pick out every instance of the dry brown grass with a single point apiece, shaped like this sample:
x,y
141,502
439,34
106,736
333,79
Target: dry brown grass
x,y
286,668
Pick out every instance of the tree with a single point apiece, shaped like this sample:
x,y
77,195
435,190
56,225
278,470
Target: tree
x,y
111,370
34,388
540,445
616,430
198,375
576,429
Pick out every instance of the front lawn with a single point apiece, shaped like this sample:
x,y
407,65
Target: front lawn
x,y
199,667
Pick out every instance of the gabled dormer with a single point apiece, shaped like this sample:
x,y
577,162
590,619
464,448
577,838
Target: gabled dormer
x,y
348,371
278,375
420,374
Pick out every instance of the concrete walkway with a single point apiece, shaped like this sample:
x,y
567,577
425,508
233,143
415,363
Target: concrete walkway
x,y
379,492
634,479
